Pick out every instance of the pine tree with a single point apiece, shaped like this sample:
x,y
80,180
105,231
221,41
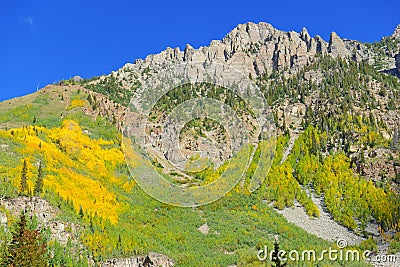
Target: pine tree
x,y
23,185
275,255
39,182
27,247
81,213
119,243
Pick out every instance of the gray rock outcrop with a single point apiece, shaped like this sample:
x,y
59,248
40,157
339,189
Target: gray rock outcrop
x,y
255,48
45,214
150,260
337,47
33,205
396,33
259,49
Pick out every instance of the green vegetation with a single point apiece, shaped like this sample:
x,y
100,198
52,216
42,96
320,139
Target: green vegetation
x,y
344,85
38,189
340,118
23,185
75,162
27,247
383,49
275,256
240,223
113,89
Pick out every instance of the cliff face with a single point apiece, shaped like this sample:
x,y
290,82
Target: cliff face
x,y
151,260
46,215
260,48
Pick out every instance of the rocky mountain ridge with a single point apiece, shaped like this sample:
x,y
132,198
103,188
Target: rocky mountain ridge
x,y
260,48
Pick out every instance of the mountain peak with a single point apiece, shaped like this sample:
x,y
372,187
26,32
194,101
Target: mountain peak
x,y
304,35
336,46
396,33
260,48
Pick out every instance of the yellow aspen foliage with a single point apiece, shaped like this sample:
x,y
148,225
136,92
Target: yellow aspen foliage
x,y
97,242
84,192
347,196
76,103
76,167
127,186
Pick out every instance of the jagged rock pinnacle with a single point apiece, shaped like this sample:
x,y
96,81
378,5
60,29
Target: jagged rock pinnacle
x,y
260,48
188,52
336,46
396,33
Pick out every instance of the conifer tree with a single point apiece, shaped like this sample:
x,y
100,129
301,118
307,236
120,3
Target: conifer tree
x,y
23,185
27,247
81,213
39,182
275,256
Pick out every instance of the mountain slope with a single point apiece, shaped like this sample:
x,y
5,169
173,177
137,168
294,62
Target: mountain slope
x,y
337,115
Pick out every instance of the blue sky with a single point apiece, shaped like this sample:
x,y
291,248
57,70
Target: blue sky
x,y
46,41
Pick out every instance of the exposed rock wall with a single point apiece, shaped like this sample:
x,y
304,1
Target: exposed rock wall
x,y
150,260
46,215
260,48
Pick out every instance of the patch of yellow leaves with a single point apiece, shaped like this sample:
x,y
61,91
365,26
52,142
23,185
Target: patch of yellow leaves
x,y
76,103
76,167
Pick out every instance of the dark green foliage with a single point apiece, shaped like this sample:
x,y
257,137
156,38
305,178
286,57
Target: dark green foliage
x,y
113,89
81,213
23,184
385,48
38,189
341,82
276,257
27,247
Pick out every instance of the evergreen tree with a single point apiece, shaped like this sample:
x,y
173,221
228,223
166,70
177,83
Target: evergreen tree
x,y
23,185
81,213
119,243
39,182
275,256
27,247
